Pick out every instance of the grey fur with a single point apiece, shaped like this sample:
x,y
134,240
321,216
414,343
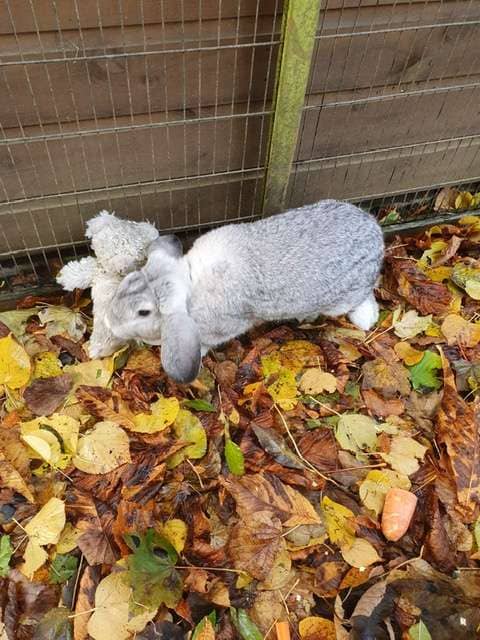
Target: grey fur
x,y
318,259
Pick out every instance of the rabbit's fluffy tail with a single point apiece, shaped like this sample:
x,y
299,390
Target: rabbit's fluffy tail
x,y
366,314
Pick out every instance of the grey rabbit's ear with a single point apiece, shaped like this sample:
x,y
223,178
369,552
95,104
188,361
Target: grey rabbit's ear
x,y
134,283
180,347
169,244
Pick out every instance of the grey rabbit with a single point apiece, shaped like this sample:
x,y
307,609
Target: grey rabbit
x,y
320,259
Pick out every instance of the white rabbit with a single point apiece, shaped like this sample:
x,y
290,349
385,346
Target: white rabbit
x,y
318,259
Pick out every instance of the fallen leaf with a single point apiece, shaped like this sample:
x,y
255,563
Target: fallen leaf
x,y
467,277
339,522
404,454
407,353
419,632
6,552
198,404
102,449
56,624
15,366
388,378
273,443
85,601
315,628
175,531
411,324
458,330
10,477
46,526
68,539
380,407
254,545
360,554
112,616
60,320
445,200
44,396
144,362
315,381
94,373
423,374
53,439
151,571
63,568
422,293
284,390
188,429
17,319
164,412
463,200
267,493
204,630
374,488
34,557
356,432
449,252
234,458
461,442
247,629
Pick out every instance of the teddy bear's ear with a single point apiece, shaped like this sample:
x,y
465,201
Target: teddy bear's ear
x,y
100,221
170,245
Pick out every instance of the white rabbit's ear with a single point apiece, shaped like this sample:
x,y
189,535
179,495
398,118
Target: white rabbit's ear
x,y
170,245
180,347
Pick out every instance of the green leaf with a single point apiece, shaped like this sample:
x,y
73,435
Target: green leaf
x,y
234,458
55,625
63,568
419,632
189,429
153,577
423,374
247,629
199,405
17,320
391,218
6,551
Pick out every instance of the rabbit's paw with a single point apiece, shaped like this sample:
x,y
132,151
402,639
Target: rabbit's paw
x,y
365,315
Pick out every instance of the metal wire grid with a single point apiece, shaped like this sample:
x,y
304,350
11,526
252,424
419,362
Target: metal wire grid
x,y
433,57
79,151
204,154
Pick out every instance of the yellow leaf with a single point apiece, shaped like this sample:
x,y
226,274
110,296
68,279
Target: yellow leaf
x,y
206,632
47,525
102,449
44,449
164,413
374,488
296,355
234,417
463,200
68,539
34,558
284,390
315,381
458,330
404,454
472,287
315,628
53,439
188,428
15,366
270,364
338,521
95,373
411,324
438,274
251,388
408,354
175,531
111,617
46,365
303,511
471,220
10,477
360,554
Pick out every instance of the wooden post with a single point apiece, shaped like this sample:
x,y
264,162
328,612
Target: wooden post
x,y
300,19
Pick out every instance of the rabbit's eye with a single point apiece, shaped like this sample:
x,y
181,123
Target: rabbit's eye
x,y
144,312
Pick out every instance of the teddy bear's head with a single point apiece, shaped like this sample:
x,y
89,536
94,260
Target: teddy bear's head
x,y
120,245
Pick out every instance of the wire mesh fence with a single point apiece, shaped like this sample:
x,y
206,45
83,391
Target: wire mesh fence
x,y
161,109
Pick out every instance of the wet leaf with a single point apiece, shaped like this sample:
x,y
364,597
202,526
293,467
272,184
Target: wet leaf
x,y
422,293
151,568
234,458
15,366
6,551
199,405
63,568
164,412
188,429
44,396
274,444
55,625
411,324
112,616
360,554
423,374
339,522
102,449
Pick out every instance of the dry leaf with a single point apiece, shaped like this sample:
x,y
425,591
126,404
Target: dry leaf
x,y
388,378
458,331
10,477
404,454
15,366
360,554
164,412
44,396
315,381
374,488
411,324
407,353
339,522
380,407
105,405
314,628
102,449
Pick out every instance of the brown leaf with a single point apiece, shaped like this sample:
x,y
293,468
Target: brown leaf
x,y
45,395
94,541
85,601
75,349
225,373
274,444
255,544
438,547
458,429
380,407
445,200
448,253
266,493
144,362
106,405
320,449
388,378
131,518
421,292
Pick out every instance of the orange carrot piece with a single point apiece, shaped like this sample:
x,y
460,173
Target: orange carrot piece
x,y
283,630
397,513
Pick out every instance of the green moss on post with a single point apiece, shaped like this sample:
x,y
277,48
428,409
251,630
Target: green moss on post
x,y
299,26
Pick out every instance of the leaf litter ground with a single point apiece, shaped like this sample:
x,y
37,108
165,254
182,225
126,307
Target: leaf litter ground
x,y
264,497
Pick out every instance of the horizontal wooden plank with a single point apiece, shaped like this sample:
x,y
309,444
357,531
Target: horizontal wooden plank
x,y
374,175
131,156
65,91
49,15
403,120
61,221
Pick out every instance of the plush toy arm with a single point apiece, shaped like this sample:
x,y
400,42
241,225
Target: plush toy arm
x,y
78,274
